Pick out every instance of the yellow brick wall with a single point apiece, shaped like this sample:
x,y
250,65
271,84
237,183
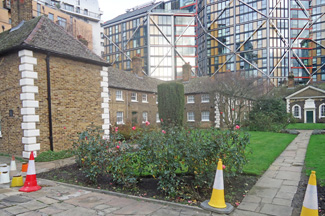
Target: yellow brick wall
x,y
76,99
10,90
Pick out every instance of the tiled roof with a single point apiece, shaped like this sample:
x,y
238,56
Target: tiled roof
x,y
127,80
199,85
131,14
42,34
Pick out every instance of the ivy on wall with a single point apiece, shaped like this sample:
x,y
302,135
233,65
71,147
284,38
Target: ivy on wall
x,y
171,103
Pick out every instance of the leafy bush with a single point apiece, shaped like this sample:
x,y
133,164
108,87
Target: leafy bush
x,y
269,114
171,103
177,157
189,152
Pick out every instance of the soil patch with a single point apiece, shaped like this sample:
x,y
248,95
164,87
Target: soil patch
x,y
235,188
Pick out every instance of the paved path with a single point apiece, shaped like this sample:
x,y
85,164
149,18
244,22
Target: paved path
x,y
274,191
272,194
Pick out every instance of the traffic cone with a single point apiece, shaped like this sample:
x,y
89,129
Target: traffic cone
x,y
13,166
218,194
24,167
31,181
217,202
310,204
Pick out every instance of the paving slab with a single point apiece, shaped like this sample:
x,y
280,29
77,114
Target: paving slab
x,y
17,210
89,200
138,208
276,210
33,205
77,211
275,190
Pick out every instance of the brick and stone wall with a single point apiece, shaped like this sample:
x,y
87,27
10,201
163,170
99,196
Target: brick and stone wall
x,y
10,90
128,107
21,10
198,107
76,99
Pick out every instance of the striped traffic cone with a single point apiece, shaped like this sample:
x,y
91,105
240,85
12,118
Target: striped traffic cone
x,y
13,166
218,194
310,204
217,202
31,181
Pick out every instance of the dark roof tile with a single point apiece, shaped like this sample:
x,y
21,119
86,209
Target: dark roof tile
x,y
43,34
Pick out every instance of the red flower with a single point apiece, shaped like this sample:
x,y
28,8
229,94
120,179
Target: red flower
x,y
163,131
133,128
221,113
237,127
233,109
86,138
64,128
117,146
223,167
116,129
161,120
147,123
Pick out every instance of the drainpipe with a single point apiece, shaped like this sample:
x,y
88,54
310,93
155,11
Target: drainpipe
x,y
49,100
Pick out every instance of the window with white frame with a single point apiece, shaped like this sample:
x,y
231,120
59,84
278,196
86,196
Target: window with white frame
x,y
296,111
205,116
190,99
119,95
205,98
321,112
134,97
119,117
157,118
144,117
190,116
144,98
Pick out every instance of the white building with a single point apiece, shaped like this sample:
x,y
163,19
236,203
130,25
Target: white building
x,y
89,11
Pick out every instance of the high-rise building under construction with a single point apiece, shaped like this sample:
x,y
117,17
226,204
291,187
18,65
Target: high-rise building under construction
x,y
267,38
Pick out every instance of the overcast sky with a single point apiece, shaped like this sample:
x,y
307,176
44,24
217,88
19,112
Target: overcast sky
x,y
113,8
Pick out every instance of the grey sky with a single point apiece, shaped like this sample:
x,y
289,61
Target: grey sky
x,y
113,8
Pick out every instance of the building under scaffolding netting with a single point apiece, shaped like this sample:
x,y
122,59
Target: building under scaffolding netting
x,y
265,38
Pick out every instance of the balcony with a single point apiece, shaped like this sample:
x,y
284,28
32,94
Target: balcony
x,y
76,11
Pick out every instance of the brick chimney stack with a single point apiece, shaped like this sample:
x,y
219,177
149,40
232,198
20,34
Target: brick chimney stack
x,y
21,10
291,80
187,72
137,66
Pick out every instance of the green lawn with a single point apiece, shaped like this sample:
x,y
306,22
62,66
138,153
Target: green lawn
x,y
52,155
265,148
315,157
307,126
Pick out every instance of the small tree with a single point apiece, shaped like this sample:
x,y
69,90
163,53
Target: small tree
x,y
171,103
234,93
268,114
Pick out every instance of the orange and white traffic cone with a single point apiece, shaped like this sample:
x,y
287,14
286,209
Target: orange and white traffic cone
x,y
30,184
217,202
310,204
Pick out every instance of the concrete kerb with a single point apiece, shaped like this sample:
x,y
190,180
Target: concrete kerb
x,y
162,202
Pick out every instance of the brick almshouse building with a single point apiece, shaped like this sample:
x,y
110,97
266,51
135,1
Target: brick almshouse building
x,y
52,86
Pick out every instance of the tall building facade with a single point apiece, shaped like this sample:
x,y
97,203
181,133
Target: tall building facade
x,y
161,33
267,38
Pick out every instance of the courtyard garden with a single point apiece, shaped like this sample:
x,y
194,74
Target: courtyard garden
x,y
175,164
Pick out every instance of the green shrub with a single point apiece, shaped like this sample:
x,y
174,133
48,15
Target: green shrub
x,y
189,152
97,156
171,103
269,114
177,157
